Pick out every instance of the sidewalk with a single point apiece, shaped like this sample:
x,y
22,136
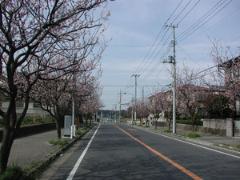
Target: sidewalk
x,y
217,142
30,150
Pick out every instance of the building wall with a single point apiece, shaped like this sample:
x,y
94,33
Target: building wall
x,y
32,109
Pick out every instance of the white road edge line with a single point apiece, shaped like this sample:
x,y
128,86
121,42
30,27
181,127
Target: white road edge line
x,y
73,171
193,144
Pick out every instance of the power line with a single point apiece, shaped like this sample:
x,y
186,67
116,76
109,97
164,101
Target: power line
x,y
155,53
203,17
211,13
172,14
180,13
190,30
154,45
150,54
188,12
147,73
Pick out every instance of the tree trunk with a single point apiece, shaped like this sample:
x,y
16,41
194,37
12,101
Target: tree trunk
x,y
81,120
8,137
58,127
169,124
193,124
9,130
91,122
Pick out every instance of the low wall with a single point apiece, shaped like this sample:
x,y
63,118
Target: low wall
x,y
159,124
223,127
215,123
221,132
186,127
33,129
237,128
237,132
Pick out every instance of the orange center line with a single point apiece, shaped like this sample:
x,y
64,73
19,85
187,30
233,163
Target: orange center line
x,y
163,157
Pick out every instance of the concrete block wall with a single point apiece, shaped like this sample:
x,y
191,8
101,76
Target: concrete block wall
x,y
219,126
214,123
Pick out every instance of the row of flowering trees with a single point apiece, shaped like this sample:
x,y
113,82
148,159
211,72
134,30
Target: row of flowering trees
x,y
199,95
48,50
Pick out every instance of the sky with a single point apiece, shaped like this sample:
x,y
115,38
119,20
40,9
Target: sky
x,y
133,46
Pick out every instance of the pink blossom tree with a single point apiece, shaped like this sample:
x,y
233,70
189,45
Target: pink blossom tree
x,y
191,94
228,64
32,34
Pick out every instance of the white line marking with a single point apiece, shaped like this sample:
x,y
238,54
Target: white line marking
x,y
210,149
72,173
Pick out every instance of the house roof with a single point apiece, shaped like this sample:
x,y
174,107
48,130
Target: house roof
x,y
212,88
160,94
230,62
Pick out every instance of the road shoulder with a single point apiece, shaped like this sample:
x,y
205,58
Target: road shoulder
x,y
54,166
196,142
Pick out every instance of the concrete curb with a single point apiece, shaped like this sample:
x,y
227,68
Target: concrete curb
x,y
41,167
194,141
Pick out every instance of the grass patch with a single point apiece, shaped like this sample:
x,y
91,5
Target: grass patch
x,y
235,147
81,131
15,173
193,135
32,166
167,131
31,120
58,142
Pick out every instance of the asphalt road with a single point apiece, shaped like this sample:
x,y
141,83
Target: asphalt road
x,y
121,152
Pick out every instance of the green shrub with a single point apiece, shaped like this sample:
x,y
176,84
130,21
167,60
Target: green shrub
x,y
218,106
58,142
238,146
32,166
29,120
193,135
167,131
81,131
15,173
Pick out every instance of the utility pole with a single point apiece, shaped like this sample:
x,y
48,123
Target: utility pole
x,y
143,94
132,110
173,62
142,106
101,116
115,113
120,104
135,99
73,108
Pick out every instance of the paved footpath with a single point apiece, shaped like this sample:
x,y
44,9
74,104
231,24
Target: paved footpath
x,y
122,152
205,139
32,149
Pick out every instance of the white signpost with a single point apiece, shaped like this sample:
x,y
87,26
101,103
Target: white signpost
x,y
67,126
